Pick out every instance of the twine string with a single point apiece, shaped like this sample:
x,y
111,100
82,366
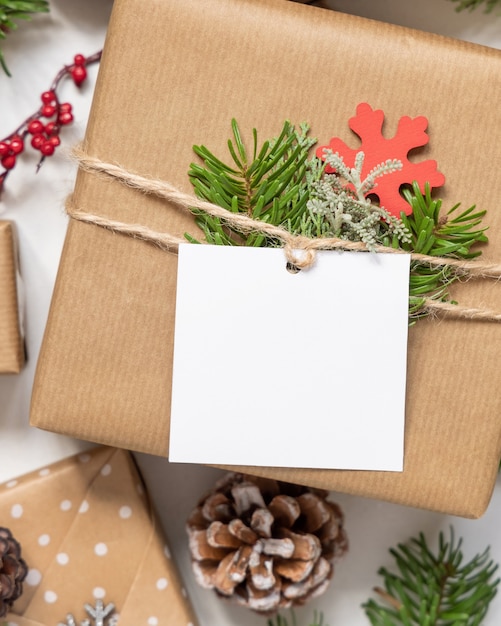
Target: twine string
x,y
165,241
436,307
299,250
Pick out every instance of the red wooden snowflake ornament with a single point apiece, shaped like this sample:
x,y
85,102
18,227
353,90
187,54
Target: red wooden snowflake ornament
x,y
411,133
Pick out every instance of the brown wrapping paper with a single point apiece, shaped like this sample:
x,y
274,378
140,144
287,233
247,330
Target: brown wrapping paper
x,y
109,337
11,341
87,532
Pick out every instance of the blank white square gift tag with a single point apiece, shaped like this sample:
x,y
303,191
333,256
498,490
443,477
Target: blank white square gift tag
x,y
279,369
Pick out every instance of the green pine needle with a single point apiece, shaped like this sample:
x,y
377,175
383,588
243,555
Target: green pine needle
x,y
434,588
471,5
13,10
451,235
269,185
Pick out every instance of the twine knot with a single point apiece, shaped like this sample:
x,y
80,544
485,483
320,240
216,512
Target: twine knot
x,y
299,254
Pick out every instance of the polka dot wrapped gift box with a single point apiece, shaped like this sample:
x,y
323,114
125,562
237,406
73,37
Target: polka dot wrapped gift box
x,y
88,536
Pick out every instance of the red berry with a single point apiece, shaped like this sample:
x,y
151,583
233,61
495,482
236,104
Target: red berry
x,y
16,144
8,161
49,128
37,141
47,149
4,148
65,107
48,97
79,59
54,140
35,127
48,110
79,74
65,118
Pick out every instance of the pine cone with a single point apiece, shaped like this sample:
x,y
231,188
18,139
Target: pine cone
x,y
268,545
13,570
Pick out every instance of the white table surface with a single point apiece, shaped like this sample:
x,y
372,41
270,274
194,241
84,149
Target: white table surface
x,y
35,202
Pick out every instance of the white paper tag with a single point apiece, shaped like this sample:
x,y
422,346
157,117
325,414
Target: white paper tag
x,y
291,370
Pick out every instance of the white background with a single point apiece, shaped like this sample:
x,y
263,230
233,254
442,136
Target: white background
x,y
35,202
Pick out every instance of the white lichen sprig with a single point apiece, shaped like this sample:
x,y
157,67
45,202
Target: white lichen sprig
x,y
338,205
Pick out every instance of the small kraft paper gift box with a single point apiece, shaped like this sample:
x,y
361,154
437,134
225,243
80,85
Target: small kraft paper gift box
x,y
11,340
88,537
105,368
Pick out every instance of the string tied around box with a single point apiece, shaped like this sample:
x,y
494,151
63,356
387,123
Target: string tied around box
x,y
300,251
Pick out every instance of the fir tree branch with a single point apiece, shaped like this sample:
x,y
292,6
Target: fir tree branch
x,y
434,588
13,10
471,5
434,234
270,186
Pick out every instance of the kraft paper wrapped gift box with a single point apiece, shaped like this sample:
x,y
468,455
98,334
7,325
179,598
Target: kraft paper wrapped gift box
x,y
104,371
11,340
87,532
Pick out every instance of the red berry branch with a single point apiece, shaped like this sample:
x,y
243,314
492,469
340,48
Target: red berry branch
x,y
44,126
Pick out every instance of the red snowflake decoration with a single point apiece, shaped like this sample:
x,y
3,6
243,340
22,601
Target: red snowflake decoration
x,y
411,133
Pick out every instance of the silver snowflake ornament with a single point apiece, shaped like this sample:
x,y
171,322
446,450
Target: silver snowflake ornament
x,y
101,616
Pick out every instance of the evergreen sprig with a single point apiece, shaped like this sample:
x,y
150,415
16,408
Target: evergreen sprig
x,y
279,184
13,10
435,234
434,588
270,185
471,5
338,204
280,620
282,186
